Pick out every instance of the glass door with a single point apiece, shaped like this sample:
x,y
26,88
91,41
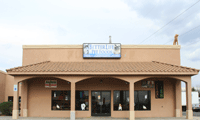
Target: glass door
x,y
101,103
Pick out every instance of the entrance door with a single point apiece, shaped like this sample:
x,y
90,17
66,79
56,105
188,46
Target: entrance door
x,y
101,103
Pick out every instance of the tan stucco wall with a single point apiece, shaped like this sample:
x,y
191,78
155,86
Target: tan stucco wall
x,y
160,107
169,54
2,86
39,98
9,87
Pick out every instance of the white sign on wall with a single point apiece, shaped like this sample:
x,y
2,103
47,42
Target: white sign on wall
x,y
50,83
15,87
101,50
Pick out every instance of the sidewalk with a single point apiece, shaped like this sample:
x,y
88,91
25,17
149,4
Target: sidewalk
x,y
94,118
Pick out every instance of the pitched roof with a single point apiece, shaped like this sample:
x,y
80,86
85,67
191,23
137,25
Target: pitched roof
x,y
153,67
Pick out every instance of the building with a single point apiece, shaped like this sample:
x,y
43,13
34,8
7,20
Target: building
x,y
6,87
69,81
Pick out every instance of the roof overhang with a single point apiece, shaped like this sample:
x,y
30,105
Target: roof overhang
x,y
103,73
102,68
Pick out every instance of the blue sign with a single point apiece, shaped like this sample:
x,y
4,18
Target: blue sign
x,y
15,87
102,50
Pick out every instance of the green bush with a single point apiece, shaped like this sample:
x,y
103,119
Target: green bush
x,y
6,108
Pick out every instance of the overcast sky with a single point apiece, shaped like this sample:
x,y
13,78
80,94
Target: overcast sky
x,y
35,22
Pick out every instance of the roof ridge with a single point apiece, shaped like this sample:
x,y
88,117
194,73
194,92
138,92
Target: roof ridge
x,y
27,65
180,66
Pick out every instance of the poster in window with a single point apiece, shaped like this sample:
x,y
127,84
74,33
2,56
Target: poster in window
x,y
159,91
144,84
147,84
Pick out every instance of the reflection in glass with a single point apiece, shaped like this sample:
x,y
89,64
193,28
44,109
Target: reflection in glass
x,y
105,102
142,100
82,100
59,101
121,100
101,103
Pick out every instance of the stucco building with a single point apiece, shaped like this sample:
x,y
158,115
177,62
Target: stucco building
x,y
6,87
145,81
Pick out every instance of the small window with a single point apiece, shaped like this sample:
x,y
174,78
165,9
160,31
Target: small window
x,y
10,99
121,100
82,101
61,100
159,91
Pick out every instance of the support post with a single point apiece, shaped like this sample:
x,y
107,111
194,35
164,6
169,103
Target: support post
x,y
15,112
189,112
90,102
72,112
112,94
24,98
178,98
131,101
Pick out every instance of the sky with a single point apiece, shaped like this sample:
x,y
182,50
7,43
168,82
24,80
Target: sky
x,y
139,22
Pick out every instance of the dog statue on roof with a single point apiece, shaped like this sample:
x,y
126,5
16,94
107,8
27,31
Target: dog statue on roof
x,y
175,39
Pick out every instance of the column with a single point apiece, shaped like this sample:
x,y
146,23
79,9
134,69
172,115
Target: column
x,y
90,102
131,101
72,112
189,112
24,98
178,98
112,94
15,112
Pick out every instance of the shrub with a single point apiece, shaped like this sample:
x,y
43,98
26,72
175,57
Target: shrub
x,y
6,108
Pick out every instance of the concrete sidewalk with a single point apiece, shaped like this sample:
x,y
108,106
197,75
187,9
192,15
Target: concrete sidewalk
x,y
94,118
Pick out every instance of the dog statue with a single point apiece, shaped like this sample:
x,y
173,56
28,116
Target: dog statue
x,y
175,39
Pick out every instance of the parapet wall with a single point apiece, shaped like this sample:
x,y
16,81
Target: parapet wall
x,y
74,53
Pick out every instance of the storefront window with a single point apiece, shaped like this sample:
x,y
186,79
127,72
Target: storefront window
x,y
82,101
121,100
61,100
159,91
142,100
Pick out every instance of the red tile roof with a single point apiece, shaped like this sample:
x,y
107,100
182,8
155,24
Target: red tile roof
x,y
99,67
